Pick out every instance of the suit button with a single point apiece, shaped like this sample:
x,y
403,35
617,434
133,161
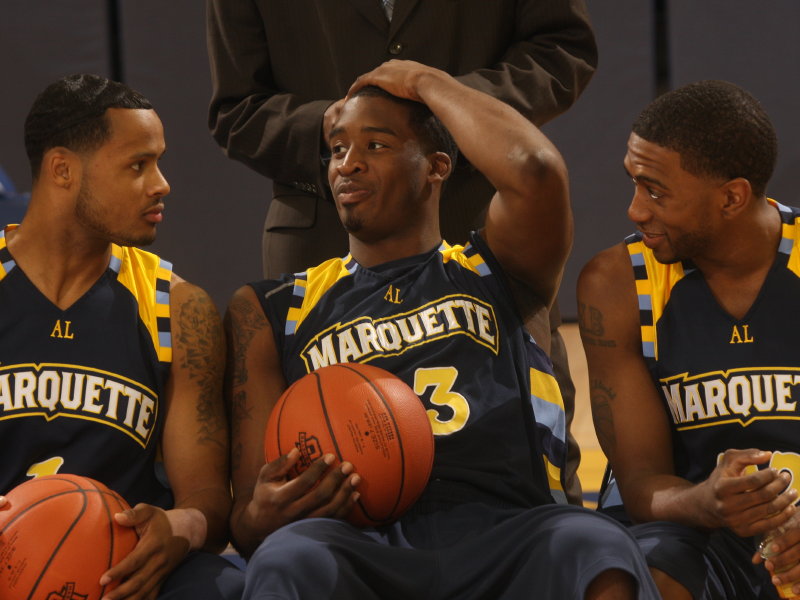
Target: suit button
x,y
396,48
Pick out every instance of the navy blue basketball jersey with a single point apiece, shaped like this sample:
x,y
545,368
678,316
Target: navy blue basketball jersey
x,y
446,324
81,389
725,382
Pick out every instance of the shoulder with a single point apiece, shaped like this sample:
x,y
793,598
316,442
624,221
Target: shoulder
x,y
182,292
245,304
608,308
610,267
194,316
606,284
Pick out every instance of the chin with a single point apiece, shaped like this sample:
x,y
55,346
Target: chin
x,y
352,225
139,240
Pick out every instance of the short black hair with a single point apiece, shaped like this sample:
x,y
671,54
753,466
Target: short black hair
x,y
719,130
72,113
433,135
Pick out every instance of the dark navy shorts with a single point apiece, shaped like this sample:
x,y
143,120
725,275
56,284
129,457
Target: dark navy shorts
x,y
203,576
712,566
467,552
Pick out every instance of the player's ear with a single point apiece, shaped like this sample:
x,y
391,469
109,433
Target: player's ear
x,y
736,196
61,167
441,166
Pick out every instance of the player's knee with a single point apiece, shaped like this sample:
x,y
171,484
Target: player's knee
x,y
594,535
286,556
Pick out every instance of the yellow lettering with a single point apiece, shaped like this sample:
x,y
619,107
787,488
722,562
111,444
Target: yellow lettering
x,y
393,295
63,334
454,410
738,338
45,467
789,462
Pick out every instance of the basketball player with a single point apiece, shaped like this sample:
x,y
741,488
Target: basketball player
x,y
107,358
690,327
443,319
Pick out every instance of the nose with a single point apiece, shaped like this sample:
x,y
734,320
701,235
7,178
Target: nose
x,y
159,186
637,210
353,162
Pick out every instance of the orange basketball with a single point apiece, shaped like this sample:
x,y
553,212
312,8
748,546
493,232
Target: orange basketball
x,y
363,415
58,536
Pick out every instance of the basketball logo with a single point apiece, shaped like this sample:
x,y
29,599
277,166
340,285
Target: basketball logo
x,y
67,593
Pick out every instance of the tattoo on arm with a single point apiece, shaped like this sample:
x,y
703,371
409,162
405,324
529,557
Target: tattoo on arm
x,y
249,320
240,332
590,322
240,411
200,337
601,397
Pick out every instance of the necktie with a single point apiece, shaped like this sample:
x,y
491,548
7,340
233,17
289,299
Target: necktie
x,y
388,7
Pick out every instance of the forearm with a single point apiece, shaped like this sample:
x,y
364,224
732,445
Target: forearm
x,y
202,519
502,144
666,498
543,74
275,136
267,128
247,529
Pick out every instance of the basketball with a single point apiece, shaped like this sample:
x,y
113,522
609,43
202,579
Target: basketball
x,y
58,536
364,415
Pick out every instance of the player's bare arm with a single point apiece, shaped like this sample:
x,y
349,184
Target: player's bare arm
x,y
264,499
196,430
195,449
632,425
529,224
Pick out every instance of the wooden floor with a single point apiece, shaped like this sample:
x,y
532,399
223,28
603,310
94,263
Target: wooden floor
x,y
593,461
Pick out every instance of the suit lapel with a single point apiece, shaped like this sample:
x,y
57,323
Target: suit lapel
x,y
402,8
373,12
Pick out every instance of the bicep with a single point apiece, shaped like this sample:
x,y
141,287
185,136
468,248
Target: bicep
x,y
195,430
529,226
254,382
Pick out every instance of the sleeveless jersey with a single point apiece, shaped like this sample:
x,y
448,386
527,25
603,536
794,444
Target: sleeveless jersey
x,y
725,382
81,389
445,323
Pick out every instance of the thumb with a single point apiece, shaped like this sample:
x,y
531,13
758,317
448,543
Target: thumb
x,y
136,516
738,462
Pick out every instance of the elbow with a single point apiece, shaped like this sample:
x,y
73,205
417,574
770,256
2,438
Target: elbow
x,y
540,168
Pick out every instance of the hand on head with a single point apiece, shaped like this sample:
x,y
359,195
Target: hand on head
x,y
398,77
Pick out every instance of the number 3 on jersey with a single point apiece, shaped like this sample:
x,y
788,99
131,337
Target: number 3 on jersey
x,y
454,411
782,461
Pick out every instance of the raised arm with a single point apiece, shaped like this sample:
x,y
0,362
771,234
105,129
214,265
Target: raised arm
x,y
263,498
529,224
632,425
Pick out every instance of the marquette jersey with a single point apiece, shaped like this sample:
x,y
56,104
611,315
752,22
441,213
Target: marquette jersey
x,y
81,389
445,323
725,382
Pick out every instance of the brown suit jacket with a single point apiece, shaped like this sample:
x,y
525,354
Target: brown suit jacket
x,y
277,65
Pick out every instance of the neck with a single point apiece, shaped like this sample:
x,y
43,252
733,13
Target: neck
x,y
748,247
60,262
369,253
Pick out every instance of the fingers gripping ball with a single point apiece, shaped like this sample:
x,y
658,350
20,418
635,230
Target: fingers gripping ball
x,y
58,536
363,415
